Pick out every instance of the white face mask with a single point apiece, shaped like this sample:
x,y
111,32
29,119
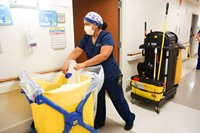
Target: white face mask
x,y
88,30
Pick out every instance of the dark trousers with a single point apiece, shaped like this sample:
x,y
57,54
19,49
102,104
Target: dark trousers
x,y
198,61
116,95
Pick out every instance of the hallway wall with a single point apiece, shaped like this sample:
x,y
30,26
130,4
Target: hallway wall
x,y
134,15
15,112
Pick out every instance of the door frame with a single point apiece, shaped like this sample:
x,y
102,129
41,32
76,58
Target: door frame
x,y
193,32
120,56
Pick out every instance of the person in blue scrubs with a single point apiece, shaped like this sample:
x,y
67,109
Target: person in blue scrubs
x,y
98,45
198,61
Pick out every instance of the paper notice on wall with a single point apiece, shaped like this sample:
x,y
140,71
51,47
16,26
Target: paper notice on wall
x,y
58,37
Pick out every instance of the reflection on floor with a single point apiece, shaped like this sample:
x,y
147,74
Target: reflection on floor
x,y
179,115
188,92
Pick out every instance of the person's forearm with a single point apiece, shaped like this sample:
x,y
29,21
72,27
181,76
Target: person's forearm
x,y
95,60
198,37
73,56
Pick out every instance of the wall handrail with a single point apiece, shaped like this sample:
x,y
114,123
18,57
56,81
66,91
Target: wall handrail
x,y
17,77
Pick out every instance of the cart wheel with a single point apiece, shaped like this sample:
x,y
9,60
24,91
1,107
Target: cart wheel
x,y
132,100
157,109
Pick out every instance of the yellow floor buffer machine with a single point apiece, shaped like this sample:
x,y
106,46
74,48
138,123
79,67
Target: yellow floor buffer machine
x,y
159,73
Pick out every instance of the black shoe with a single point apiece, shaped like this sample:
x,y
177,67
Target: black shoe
x,y
128,126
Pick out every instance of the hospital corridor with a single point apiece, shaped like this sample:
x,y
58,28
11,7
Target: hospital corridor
x,y
99,66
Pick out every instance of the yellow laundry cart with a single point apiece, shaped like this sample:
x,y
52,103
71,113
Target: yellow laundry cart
x,y
60,107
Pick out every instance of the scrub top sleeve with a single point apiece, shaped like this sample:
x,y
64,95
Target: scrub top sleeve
x,y
108,40
82,44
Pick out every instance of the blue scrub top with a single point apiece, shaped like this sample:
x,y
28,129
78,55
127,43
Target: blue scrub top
x,y
111,68
199,42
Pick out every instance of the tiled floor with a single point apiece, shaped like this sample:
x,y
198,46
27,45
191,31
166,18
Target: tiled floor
x,y
179,115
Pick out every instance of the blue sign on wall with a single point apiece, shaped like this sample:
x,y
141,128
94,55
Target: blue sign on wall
x,y
48,18
5,16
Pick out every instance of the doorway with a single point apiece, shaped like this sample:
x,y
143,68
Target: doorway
x,y
108,9
193,32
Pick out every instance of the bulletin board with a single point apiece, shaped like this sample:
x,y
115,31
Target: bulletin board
x,y
16,56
